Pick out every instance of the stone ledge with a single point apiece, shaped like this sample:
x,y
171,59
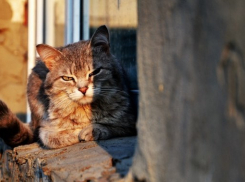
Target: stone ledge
x,y
105,160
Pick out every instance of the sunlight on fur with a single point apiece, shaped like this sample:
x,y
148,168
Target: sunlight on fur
x,y
78,92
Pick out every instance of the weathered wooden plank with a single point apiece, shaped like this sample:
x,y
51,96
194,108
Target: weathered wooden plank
x,y
100,160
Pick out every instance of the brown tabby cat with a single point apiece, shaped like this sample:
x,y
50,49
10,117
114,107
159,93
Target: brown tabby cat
x,y
76,93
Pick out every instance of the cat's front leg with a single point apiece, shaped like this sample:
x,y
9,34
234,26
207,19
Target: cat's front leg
x,y
51,138
94,132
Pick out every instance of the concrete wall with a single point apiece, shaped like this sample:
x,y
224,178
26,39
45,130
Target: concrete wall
x,y
13,51
191,124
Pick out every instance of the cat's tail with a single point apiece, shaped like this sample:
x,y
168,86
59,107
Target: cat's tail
x,y
12,130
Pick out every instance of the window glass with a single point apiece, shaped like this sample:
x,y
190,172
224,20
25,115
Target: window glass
x,y
59,23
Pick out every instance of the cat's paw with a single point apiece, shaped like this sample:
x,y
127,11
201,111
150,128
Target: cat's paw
x,y
93,132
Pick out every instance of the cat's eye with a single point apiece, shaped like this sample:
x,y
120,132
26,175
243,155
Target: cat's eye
x,y
67,78
95,72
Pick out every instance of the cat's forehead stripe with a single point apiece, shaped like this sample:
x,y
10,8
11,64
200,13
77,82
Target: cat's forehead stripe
x,y
80,55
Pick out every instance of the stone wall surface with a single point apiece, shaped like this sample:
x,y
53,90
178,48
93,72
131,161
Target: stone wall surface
x,y
13,51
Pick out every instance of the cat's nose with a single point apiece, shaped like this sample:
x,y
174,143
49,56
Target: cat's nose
x,y
83,90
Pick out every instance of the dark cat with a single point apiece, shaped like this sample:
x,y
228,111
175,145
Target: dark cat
x,y
77,92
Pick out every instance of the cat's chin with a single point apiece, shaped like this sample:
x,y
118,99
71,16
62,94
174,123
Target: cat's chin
x,y
85,100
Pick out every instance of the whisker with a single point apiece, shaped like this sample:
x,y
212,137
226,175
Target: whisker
x,y
108,88
114,90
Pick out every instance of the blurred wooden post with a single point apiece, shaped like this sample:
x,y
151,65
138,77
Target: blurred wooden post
x,y
192,97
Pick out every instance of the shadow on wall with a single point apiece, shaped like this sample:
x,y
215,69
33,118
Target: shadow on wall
x,y
122,151
114,108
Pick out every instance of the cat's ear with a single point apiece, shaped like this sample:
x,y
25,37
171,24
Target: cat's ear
x,y
48,54
101,37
